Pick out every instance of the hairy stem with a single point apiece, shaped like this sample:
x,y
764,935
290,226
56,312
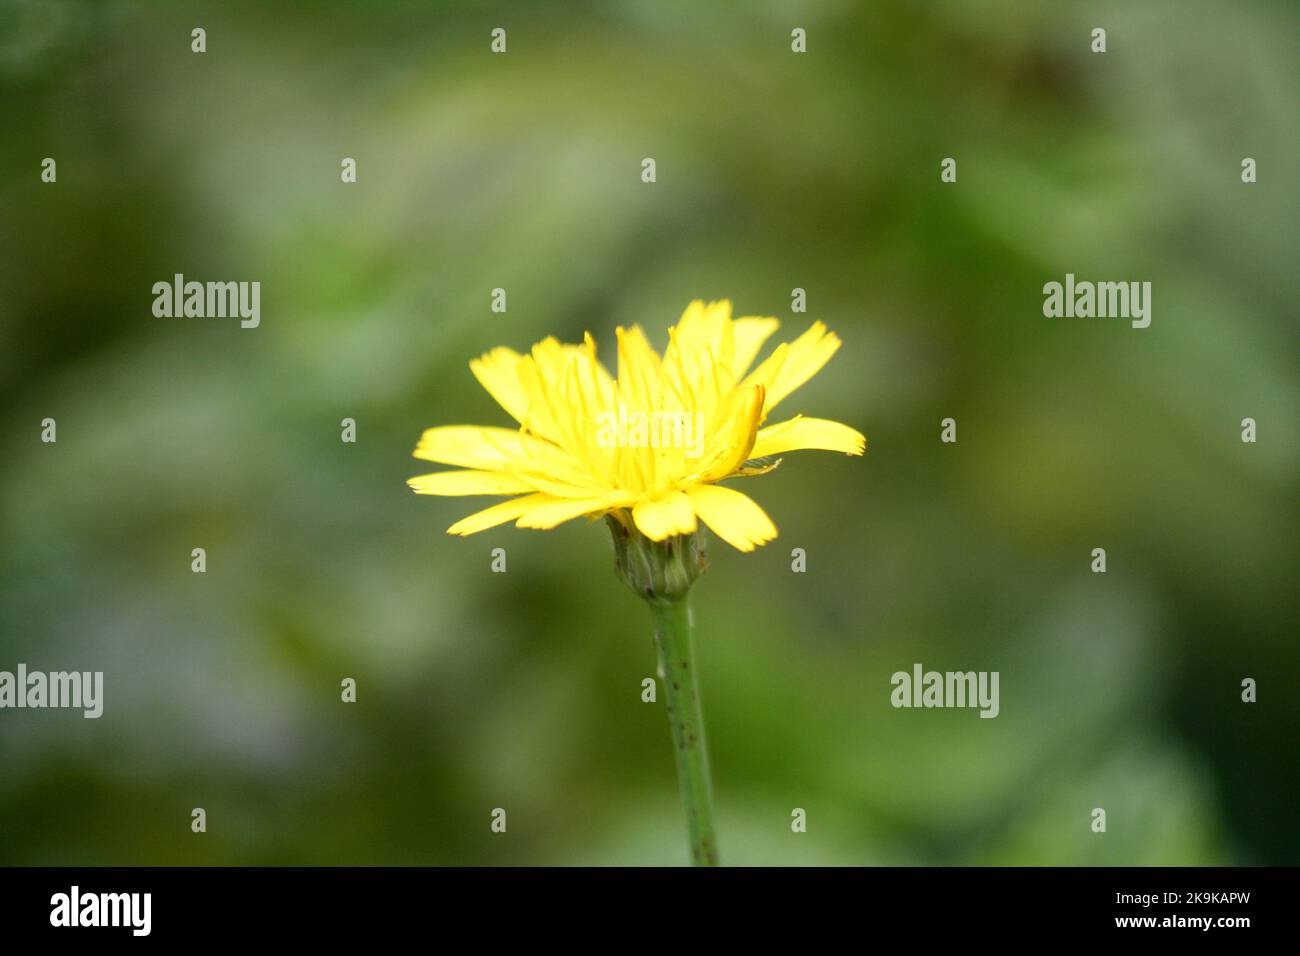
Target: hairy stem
x,y
682,696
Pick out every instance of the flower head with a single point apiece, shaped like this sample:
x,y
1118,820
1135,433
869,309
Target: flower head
x,y
648,447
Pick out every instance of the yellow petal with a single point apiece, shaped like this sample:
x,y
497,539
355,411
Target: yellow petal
x,y
498,372
548,514
603,386
701,325
497,514
468,483
700,348
732,516
808,354
731,446
768,369
544,405
800,432
544,466
471,446
750,333
803,358
664,517
638,369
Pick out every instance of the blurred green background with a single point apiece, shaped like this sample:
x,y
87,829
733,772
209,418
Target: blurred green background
x,y
522,690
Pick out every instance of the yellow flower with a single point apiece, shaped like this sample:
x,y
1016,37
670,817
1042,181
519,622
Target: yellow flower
x,y
652,443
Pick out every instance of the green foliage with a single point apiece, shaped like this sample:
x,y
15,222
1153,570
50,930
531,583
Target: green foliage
x,y
775,171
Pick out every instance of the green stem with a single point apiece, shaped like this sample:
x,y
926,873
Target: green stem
x,y
682,696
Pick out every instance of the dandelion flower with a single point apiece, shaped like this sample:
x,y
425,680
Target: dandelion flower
x,y
650,446
647,450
